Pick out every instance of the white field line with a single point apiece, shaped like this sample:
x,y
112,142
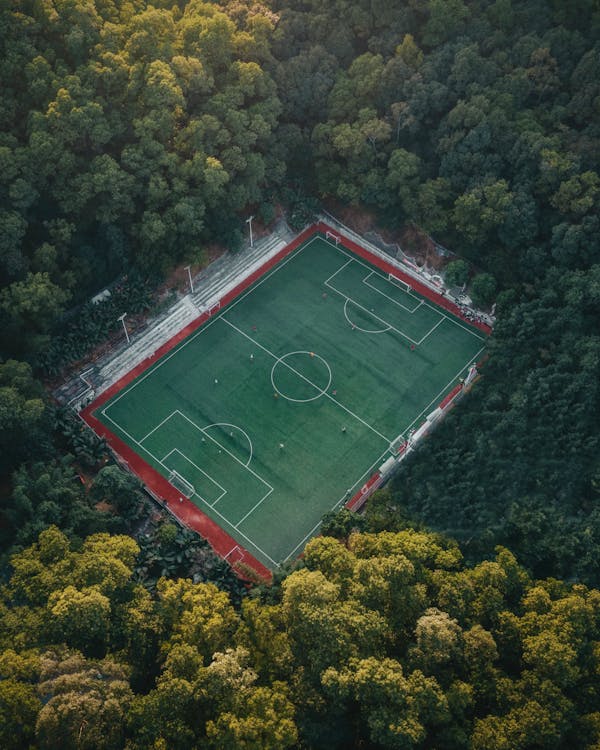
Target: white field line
x,y
222,517
260,502
160,424
216,442
340,269
445,388
435,308
360,328
244,433
440,321
294,254
208,476
366,474
300,375
391,299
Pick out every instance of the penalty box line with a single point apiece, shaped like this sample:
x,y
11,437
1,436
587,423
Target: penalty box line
x,y
307,380
214,481
266,484
385,322
435,308
221,516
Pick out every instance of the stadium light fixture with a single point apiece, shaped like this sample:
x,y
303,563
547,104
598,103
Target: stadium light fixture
x,y
187,268
122,319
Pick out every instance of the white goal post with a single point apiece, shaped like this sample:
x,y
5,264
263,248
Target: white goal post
x,y
397,281
331,236
181,484
213,308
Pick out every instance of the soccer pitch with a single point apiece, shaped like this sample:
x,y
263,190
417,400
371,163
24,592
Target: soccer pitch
x,y
282,404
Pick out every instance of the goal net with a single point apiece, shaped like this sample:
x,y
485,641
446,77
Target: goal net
x,y
235,555
181,484
397,444
399,283
332,236
213,308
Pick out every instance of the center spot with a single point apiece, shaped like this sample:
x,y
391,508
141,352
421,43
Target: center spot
x,y
301,376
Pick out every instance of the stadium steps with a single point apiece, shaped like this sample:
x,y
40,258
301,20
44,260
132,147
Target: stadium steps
x,y
224,273
227,271
211,284
182,313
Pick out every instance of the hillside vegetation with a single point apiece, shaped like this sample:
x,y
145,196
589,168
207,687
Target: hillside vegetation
x,y
135,133
386,642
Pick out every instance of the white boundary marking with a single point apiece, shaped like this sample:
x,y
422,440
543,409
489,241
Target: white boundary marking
x,y
383,294
322,391
214,481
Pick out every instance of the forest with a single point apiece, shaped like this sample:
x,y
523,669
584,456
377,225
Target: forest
x,y
460,610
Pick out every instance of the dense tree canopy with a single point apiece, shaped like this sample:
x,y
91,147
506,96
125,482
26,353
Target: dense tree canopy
x,y
132,134
387,641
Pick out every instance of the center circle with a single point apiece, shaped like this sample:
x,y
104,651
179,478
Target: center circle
x,y
293,363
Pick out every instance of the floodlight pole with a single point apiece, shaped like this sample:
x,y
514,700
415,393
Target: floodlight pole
x,y
122,319
187,268
249,223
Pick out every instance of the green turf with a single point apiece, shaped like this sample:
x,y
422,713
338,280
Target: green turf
x,y
284,436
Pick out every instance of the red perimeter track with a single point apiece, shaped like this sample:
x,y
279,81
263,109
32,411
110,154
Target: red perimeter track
x,y
185,510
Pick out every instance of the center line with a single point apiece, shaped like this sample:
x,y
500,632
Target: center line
x,y
300,375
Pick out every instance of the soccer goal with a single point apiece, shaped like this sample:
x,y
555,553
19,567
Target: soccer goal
x,y
235,555
397,444
181,484
397,281
213,308
331,236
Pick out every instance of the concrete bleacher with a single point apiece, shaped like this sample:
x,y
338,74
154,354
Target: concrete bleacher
x,y
144,345
228,271
210,285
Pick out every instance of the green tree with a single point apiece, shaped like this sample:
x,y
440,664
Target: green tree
x,y
120,490
23,414
19,702
403,177
446,20
81,618
85,703
483,289
456,273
